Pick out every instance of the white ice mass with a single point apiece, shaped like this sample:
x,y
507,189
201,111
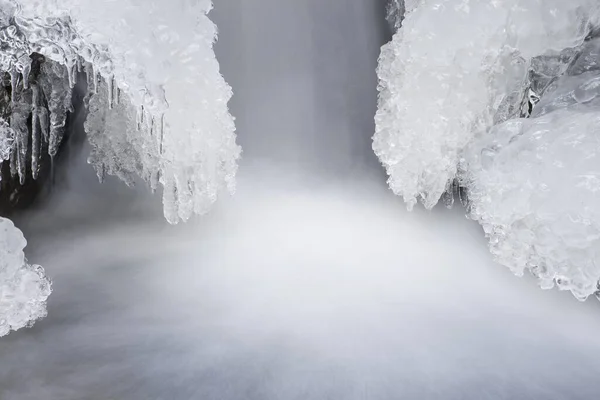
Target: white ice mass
x,y
500,96
158,106
534,184
24,288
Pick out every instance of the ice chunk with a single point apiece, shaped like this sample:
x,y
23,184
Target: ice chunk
x,y
453,69
534,184
24,288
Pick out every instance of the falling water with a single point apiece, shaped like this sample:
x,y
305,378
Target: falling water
x,y
312,282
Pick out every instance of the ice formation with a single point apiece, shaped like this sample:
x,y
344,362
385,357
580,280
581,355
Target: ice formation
x,y
158,105
534,184
453,69
24,288
503,99
157,109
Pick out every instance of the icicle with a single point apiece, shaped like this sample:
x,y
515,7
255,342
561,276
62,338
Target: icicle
x,y
56,135
14,79
70,75
111,91
44,122
22,155
58,95
18,122
25,72
161,129
35,132
13,162
89,71
92,78
35,149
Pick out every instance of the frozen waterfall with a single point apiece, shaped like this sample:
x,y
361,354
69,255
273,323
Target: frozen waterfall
x,y
312,282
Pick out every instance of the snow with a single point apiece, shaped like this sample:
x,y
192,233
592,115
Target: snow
x,y
154,66
448,71
24,288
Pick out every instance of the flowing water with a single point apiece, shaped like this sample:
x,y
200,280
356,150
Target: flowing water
x,y
312,282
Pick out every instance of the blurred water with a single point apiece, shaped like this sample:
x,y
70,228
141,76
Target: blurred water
x,y
313,282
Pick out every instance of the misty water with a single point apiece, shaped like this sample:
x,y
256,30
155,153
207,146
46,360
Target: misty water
x,y
312,282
